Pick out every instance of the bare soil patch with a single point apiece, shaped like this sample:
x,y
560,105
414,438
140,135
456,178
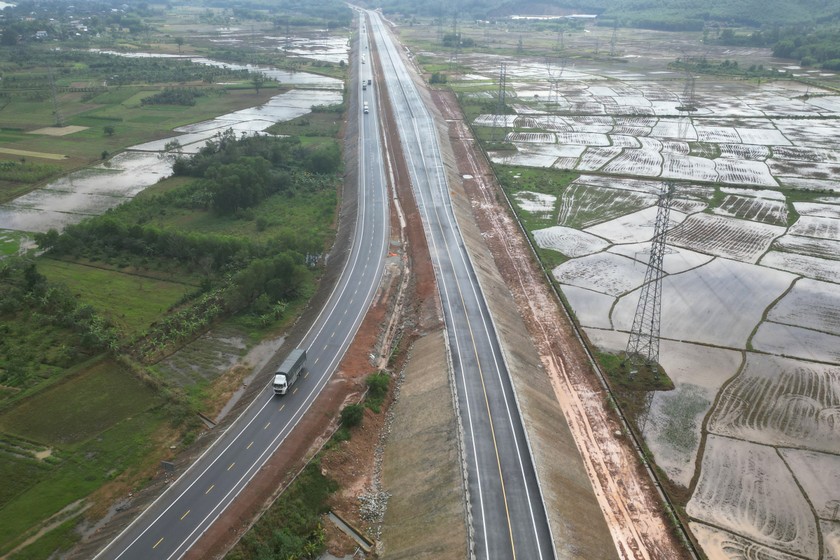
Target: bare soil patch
x,y
58,130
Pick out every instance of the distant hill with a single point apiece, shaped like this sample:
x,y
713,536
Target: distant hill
x,y
657,14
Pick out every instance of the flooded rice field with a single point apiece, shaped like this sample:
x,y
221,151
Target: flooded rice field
x,y
750,320
92,191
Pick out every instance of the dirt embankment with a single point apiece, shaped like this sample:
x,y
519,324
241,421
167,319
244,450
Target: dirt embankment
x,y
627,499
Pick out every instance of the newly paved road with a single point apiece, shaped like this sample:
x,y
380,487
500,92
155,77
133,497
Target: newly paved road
x,y
508,514
172,524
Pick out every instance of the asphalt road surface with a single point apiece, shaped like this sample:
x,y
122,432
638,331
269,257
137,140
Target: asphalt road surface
x,y
508,513
173,523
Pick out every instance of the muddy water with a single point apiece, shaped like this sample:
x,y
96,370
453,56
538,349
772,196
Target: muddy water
x,y
92,191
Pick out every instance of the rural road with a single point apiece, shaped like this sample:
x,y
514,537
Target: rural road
x,y
180,516
508,514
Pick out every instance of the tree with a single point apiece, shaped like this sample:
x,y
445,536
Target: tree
x,y
180,42
108,130
258,80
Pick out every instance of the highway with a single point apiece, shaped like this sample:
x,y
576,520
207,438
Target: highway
x,y
178,518
508,514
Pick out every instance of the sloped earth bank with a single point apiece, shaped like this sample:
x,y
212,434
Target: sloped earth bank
x,y
626,495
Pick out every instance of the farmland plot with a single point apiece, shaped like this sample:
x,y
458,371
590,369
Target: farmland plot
x,y
782,402
810,304
723,545
804,153
535,137
718,303
645,163
605,273
538,204
819,133
674,261
583,138
762,137
528,155
808,246
673,427
755,209
687,205
821,210
717,134
804,169
812,267
590,124
819,476
815,226
506,121
831,540
744,151
675,147
740,489
677,129
632,228
570,242
744,172
624,141
653,187
725,237
592,309
796,342
679,166
584,205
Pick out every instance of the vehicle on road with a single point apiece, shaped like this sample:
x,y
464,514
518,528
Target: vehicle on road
x,y
366,108
289,371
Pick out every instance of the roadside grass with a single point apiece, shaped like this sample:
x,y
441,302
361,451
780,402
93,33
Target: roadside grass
x,y
131,301
101,422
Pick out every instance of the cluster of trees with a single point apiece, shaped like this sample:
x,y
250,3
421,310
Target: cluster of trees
x,y
28,304
820,47
240,173
174,96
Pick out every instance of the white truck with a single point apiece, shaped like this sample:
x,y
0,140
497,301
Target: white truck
x,y
289,371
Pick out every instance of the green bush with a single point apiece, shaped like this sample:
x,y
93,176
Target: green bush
x,y
352,415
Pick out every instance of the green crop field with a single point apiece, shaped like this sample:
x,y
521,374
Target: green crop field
x,y
129,300
98,424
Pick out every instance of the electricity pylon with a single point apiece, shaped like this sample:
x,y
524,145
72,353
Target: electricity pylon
x,y
643,345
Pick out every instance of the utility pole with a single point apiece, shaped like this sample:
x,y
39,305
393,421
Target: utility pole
x,y
57,116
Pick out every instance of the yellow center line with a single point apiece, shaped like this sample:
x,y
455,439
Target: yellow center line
x,y
231,466
211,487
282,406
186,514
294,390
157,543
249,445
305,375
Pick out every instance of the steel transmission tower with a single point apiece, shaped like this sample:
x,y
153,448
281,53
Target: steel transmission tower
x,y
643,345
500,115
